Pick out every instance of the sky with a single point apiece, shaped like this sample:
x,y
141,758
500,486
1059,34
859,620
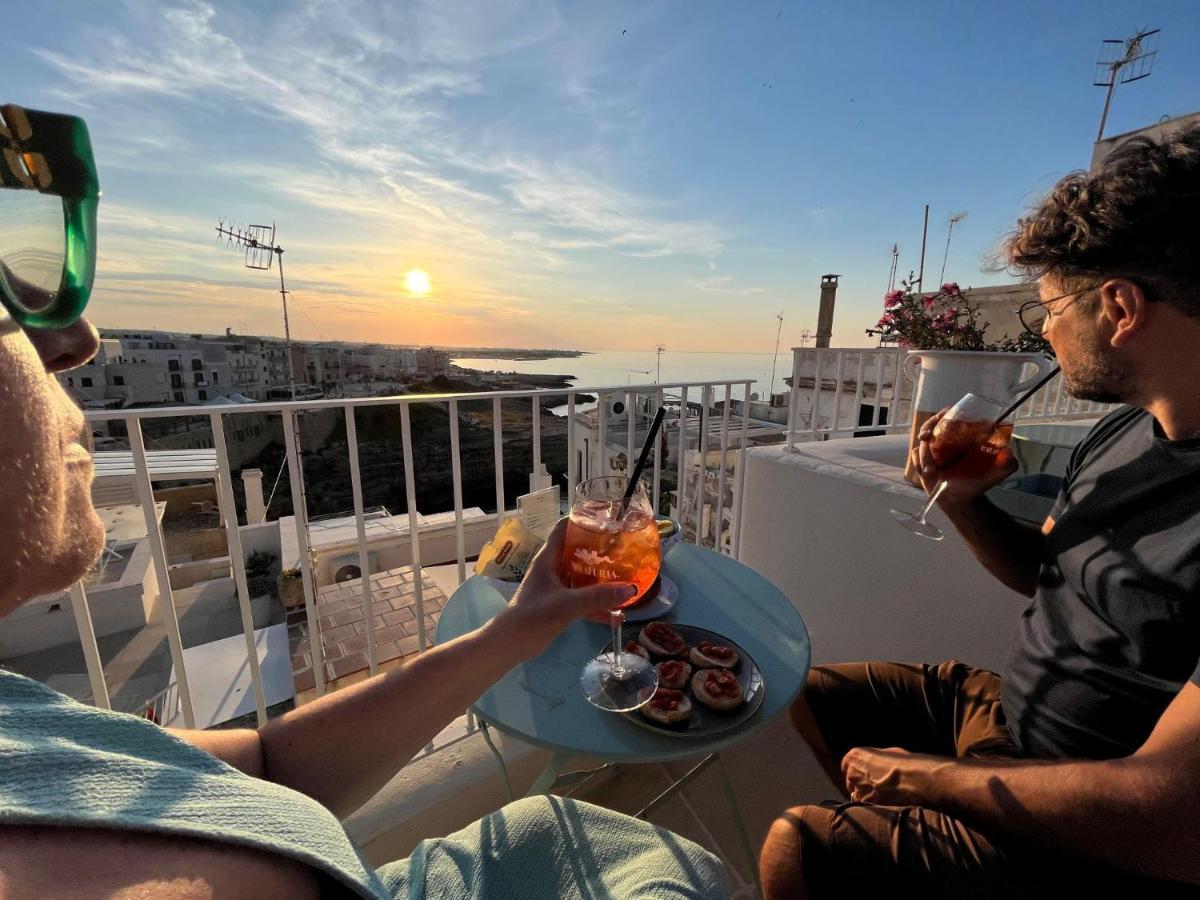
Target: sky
x,y
589,175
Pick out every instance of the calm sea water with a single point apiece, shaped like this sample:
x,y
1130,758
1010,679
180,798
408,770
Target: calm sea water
x,y
606,368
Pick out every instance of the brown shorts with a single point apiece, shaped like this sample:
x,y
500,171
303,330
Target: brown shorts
x,y
864,850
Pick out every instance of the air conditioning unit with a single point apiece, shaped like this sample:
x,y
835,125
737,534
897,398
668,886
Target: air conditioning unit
x,y
778,400
616,409
346,568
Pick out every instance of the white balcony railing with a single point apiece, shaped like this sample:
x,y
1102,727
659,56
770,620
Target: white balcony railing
x,y
693,427
838,392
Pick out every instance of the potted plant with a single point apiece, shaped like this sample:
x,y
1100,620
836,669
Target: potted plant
x,y
944,320
291,588
260,581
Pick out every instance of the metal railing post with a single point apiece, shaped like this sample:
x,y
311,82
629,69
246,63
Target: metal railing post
x,y
233,537
158,550
456,476
360,527
300,516
498,448
414,530
87,641
718,529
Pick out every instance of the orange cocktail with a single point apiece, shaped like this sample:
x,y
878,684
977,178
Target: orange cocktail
x,y
968,449
601,548
610,539
969,441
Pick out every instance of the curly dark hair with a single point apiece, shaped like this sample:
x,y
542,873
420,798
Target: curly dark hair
x,y
1137,217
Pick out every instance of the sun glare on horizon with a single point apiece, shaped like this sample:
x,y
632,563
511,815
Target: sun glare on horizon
x,y
417,282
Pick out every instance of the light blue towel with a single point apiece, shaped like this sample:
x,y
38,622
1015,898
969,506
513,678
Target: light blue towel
x,y
64,763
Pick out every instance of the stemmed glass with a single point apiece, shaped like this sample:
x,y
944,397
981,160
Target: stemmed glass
x,y
967,442
608,540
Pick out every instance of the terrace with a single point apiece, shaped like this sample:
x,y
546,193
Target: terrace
x,y
807,507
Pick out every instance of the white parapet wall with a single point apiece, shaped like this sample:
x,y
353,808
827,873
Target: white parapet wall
x,y
47,621
816,523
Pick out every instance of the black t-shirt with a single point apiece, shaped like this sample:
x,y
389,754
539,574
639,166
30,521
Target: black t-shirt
x,y
1113,632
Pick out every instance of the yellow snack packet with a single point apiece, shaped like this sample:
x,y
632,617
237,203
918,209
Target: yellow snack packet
x,y
507,555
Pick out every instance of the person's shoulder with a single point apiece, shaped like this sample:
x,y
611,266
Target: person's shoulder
x,y
1119,422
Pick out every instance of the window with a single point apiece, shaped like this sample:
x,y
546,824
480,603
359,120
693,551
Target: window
x,y
173,365
198,378
203,394
196,365
176,381
214,377
70,381
118,379
85,381
179,396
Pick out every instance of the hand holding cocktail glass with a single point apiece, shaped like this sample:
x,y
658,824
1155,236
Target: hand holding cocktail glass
x,y
963,450
612,536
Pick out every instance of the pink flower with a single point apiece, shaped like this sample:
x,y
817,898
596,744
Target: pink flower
x,y
892,298
951,288
947,316
928,301
886,321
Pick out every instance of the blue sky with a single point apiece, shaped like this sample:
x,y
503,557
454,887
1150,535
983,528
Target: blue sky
x,y
585,174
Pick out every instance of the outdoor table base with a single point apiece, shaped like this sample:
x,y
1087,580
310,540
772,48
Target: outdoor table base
x,y
540,703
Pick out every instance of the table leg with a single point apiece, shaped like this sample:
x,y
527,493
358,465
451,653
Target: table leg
x,y
487,737
549,775
731,798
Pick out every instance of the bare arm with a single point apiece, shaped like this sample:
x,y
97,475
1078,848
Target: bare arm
x,y
345,746
1011,550
1139,812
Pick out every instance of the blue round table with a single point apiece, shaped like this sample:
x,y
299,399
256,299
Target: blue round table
x,y
540,701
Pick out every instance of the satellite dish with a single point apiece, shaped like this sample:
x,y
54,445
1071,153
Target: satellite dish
x,y
754,397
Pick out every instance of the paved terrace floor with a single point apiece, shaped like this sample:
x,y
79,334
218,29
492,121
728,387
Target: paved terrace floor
x,y
344,628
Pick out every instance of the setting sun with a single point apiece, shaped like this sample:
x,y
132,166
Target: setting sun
x,y
417,282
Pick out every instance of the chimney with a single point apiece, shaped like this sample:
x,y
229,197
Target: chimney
x,y
829,285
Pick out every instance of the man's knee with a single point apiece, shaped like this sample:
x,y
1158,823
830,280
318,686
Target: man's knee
x,y
780,863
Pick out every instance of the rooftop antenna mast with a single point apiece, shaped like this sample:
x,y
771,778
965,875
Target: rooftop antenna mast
x,y
259,244
892,273
1122,62
778,332
954,220
658,352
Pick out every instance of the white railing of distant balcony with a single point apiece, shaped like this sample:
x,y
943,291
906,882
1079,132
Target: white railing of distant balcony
x,y
840,392
691,418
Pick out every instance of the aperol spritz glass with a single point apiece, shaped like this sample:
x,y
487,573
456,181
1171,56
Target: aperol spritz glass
x,y
967,442
609,540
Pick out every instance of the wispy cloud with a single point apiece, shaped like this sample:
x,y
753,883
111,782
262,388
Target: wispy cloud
x,y
723,284
373,108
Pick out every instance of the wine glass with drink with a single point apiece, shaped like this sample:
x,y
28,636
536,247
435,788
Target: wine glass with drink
x,y
610,538
968,441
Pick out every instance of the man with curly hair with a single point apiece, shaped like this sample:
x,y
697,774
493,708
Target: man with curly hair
x,y
1077,773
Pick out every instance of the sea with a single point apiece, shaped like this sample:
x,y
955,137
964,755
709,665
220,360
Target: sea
x,y
605,368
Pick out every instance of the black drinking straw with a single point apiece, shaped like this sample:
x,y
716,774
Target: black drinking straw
x,y
1025,396
641,463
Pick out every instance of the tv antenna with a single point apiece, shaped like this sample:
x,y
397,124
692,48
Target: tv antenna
x,y
892,272
954,220
775,359
805,337
1122,62
658,352
259,244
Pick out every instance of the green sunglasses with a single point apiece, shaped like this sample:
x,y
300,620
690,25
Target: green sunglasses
x,y
47,258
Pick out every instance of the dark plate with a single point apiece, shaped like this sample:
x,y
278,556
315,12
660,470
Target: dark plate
x,y
705,722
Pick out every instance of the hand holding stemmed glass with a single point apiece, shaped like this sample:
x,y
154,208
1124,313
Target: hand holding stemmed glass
x,y
613,539
961,452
